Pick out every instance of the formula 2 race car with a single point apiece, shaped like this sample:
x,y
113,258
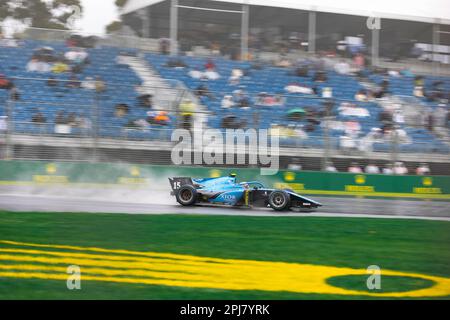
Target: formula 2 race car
x,y
226,191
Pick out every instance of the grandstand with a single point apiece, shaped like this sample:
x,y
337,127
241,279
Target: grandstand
x,y
314,123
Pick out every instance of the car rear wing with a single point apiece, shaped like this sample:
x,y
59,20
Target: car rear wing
x,y
177,182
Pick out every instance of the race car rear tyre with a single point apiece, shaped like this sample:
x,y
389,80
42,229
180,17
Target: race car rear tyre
x,y
279,200
186,195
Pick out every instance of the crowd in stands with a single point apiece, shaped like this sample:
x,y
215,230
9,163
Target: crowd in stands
x,y
398,168
360,122
296,99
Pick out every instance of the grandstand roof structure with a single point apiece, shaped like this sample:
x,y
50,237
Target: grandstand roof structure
x,y
432,11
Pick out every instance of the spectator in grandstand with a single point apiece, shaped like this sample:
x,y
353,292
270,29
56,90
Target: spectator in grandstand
x,y
195,73
145,101
210,74
423,169
60,67
235,77
215,48
436,92
203,91
257,65
419,81
405,72
244,102
359,61
232,122
400,169
121,110
366,143
300,88
100,85
295,164
210,65
354,168
398,117
187,109
394,73
76,55
241,98
164,46
161,118
387,128
388,169
402,137
60,118
302,71
419,87
35,65
227,102
52,82
384,89
352,109
38,118
283,62
176,63
44,54
5,83
342,67
82,122
77,68
320,76
73,82
352,128
329,167
372,168
361,95
158,118
416,51
88,83
7,42
14,93
385,116
310,126
268,100
137,124
71,119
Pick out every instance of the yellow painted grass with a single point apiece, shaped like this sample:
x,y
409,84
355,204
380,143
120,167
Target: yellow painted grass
x,y
29,260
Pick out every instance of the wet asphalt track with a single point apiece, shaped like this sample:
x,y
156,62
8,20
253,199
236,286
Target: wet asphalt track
x,y
158,202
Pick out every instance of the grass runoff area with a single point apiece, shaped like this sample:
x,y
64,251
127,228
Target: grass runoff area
x,y
220,257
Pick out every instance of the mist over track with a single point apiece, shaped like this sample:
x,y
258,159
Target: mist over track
x,y
143,201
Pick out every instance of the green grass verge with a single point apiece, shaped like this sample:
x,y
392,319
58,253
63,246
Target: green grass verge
x,y
396,244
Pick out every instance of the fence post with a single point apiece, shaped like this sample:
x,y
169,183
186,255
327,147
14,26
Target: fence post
x,y
327,146
394,145
9,152
95,125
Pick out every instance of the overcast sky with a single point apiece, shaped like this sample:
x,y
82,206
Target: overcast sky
x,y
99,13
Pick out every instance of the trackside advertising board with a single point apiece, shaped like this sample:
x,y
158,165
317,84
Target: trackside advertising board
x,y
155,178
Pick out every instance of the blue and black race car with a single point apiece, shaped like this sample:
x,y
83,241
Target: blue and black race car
x,y
226,191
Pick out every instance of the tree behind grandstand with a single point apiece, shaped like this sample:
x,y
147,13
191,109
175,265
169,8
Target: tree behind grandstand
x,y
40,14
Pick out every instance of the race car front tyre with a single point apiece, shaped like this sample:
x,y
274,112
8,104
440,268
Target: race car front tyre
x,y
186,195
279,200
